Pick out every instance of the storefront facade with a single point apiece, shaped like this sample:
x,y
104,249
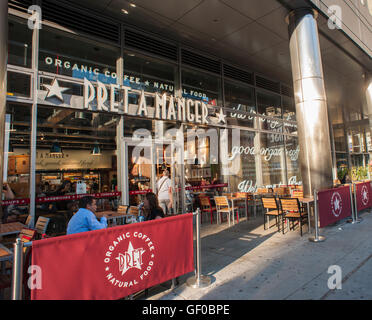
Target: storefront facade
x,y
109,111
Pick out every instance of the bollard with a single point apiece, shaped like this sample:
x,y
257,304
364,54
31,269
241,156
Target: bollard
x,y
317,237
357,220
17,275
199,281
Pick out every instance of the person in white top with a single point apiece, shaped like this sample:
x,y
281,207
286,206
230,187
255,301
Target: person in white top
x,y
164,192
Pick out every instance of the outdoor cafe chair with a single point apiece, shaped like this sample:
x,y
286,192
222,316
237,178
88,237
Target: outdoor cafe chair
x,y
223,206
133,213
206,207
41,226
292,210
245,196
272,209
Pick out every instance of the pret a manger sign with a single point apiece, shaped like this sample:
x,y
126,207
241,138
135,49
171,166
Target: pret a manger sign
x,y
166,107
115,98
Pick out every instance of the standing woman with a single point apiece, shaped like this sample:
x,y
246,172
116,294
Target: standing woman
x,y
152,208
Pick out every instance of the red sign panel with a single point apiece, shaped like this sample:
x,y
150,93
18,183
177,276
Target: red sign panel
x,y
363,195
333,205
115,262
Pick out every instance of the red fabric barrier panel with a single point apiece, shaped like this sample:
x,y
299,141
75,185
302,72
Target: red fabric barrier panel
x,y
115,262
334,205
363,195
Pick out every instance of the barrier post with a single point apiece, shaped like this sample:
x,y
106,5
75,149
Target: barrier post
x,y
199,281
352,220
317,237
17,275
357,220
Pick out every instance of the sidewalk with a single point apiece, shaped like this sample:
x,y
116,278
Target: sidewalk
x,y
248,262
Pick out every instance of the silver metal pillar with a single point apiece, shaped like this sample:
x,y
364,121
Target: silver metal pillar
x,y
310,99
17,274
199,281
3,82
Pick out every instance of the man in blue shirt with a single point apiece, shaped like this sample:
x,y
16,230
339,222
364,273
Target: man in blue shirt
x,y
85,219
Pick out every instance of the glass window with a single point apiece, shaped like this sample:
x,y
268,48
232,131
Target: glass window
x,y
148,74
17,161
271,171
18,85
293,161
269,104
201,86
65,54
339,137
76,154
243,160
241,98
289,109
20,43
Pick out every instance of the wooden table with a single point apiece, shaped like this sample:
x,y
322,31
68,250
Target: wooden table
x,y
237,199
114,215
5,255
11,228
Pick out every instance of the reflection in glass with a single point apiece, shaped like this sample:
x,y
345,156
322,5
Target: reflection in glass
x,y
20,42
201,86
65,54
16,163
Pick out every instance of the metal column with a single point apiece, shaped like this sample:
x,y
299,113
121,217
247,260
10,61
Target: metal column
x,y
311,102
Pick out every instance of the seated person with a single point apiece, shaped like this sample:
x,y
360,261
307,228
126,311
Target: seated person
x,y
152,208
85,219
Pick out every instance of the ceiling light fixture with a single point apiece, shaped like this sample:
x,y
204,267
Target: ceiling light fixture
x,y
133,5
124,11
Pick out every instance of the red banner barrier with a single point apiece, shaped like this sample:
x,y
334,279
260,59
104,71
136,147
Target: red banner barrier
x,y
334,205
363,194
115,262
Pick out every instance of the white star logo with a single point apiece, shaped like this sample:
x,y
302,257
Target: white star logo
x,y
55,90
130,259
221,116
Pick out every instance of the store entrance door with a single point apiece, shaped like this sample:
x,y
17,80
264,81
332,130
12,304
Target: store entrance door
x,y
139,170
145,165
169,156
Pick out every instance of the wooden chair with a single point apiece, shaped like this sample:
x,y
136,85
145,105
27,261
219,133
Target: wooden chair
x,y
245,196
292,210
123,209
223,206
262,190
41,226
297,193
28,221
272,209
133,213
206,206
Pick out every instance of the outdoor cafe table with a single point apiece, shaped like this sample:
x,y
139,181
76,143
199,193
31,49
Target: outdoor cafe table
x,y
11,228
113,215
238,199
307,201
5,255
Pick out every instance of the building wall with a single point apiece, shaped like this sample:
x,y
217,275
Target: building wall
x,y
356,19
